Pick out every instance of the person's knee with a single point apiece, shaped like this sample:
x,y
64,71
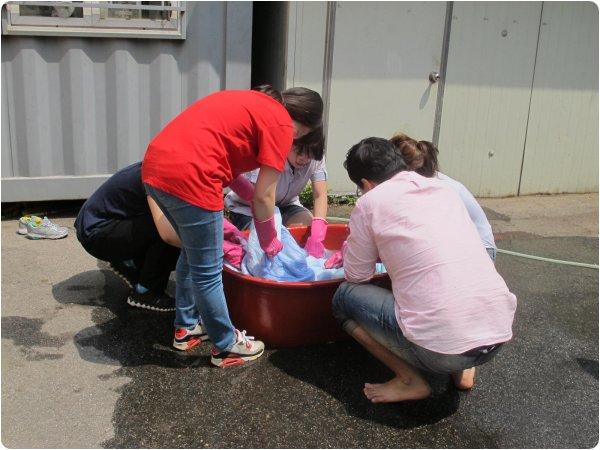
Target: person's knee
x,y
338,302
300,218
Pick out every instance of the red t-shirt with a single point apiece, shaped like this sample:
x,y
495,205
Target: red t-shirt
x,y
213,141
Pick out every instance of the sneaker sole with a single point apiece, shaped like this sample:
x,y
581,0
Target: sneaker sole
x,y
231,362
151,308
37,236
189,345
122,277
22,232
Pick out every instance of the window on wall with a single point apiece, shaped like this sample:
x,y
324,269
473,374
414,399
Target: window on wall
x,y
153,19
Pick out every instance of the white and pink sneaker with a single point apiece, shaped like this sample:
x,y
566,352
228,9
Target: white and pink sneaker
x,y
244,349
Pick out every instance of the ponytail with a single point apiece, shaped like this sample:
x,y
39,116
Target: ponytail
x,y
420,156
430,161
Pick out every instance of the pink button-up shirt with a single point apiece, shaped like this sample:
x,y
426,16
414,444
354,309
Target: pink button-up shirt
x,y
449,297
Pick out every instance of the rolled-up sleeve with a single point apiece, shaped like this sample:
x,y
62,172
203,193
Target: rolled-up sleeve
x,y
360,252
320,173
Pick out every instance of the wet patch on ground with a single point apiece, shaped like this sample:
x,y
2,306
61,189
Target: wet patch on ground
x,y
27,335
540,391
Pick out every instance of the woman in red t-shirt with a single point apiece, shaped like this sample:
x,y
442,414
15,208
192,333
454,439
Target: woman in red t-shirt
x,y
186,166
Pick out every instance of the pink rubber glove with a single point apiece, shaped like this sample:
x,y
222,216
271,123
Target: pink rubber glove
x,y
242,187
233,253
314,245
336,260
267,236
231,233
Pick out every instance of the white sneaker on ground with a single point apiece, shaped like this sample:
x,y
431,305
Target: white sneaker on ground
x,y
244,349
23,221
45,230
188,339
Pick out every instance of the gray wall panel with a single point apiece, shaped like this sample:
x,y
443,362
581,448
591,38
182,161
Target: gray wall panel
x,y
7,161
306,44
561,153
486,97
82,108
238,44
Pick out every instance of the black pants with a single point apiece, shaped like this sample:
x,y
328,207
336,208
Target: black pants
x,y
135,239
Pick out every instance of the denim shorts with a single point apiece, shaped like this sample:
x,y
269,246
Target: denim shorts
x,y
372,308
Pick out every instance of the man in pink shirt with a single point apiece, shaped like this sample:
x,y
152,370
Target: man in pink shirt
x,y
449,310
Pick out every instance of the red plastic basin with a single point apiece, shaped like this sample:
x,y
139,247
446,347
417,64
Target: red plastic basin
x,y
287,314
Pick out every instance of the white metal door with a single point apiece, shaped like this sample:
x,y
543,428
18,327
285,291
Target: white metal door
x,y
383,55
561,152
486,94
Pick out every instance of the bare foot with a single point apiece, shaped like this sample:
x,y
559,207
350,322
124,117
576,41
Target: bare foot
x,y
465,379
397,390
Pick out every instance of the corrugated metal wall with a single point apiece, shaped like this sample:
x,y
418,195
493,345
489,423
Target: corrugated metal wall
x,y
77,109
520,99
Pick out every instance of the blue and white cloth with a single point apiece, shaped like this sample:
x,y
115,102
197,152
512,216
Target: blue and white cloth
x,y
291,264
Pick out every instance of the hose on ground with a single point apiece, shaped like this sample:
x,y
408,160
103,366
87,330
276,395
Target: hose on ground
x,y
509,252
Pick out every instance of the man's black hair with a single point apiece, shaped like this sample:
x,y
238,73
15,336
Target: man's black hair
x,y
374,159
311,144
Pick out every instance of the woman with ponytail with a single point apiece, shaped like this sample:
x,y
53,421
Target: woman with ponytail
x,y
186,166
421,157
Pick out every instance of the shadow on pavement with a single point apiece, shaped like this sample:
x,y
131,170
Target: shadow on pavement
x,y
589,365
341,369
123,336
540,392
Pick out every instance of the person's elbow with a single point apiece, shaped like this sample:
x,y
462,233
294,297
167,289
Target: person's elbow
x,y
354,276
264,199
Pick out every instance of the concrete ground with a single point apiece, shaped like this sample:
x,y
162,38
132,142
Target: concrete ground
x,y
80,369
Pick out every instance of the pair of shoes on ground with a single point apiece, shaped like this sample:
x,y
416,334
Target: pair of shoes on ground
x,y
150,300
35,227
245,348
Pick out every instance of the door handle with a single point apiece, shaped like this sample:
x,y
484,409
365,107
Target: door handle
x,y
434,77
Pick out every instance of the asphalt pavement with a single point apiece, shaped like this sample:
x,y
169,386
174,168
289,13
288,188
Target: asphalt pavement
x,y
81,369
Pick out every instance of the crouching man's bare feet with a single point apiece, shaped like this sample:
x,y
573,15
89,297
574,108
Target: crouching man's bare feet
x,y
397,390
465,379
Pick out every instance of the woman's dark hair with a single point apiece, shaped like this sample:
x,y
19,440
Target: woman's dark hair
x,y
311,144
269,90
374,159
420,156
304,105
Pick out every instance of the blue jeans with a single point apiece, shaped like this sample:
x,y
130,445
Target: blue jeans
x,y
372,308
199,289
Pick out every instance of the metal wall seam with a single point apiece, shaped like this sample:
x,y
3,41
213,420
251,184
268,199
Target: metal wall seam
x,y
530,98
328,61
437,121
